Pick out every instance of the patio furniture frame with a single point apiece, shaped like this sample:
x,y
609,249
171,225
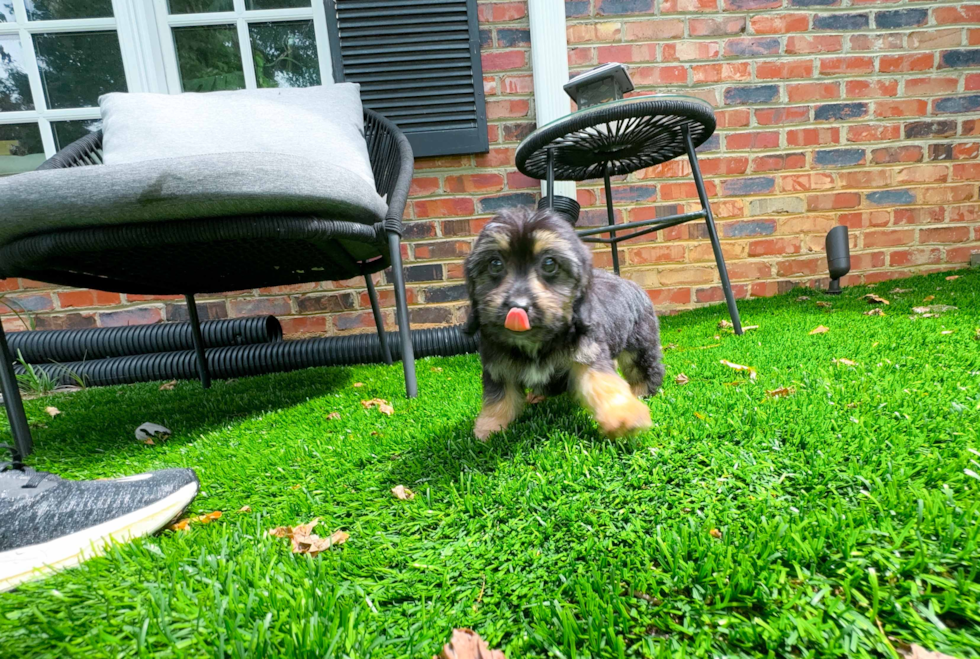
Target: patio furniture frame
x,y
221,254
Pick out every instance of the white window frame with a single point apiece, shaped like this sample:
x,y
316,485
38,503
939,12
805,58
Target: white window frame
x,y
144,29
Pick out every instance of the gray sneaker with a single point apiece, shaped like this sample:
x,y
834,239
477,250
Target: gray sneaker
x,y
48,523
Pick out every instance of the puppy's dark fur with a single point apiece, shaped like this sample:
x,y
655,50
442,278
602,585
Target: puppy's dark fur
x,y
583,320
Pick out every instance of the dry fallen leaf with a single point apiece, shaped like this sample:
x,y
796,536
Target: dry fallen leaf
x,y
183,524
824,305
436,369
53,411
333,416
820,329
304,541
875,299
803,298
358,384
739,367
245,509
781,392
933,309
952,278
670,346
383,405
403,493
147,432
296,487
845,362
929,298
700,416
918,652
467,644
750,327
877,311
900,290
167,386
681,379
715,533
724,324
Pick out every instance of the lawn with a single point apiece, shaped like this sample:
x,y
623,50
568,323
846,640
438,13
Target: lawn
x,y
839,520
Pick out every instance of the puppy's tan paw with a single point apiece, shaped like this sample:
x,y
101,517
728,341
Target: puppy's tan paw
x,y
640,389
534,399
624,417
486,426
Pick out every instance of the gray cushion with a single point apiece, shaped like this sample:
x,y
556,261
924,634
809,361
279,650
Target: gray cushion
x,y
323,123
183,188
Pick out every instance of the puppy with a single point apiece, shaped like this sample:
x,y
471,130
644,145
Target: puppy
x,y
550,322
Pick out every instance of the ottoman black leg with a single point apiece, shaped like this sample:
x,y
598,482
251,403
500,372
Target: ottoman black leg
x,y
202,359
401,310
612,219
378,318
712,233
23,444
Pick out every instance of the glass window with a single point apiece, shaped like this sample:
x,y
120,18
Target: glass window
x,y
20,148
15,88
47,10
76,68
66,132
275,4
209,58
6,11
199,6
285,54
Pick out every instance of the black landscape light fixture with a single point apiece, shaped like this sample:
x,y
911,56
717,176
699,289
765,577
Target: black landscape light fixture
x,y
838,257
609,82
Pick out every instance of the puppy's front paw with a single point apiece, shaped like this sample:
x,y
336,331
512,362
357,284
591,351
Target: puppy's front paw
x,y
640,389
486,426
624,416
534,399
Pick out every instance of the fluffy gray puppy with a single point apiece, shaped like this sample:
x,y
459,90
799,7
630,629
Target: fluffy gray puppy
x,y
549,322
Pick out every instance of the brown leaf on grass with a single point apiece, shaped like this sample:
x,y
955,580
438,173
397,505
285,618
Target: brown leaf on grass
x,y
746,328
245,509
976,336
715,533
895,291
167,386
820,329
467,644
436,369
403,493
929,298
382,405
781,392
681,379
670,346
845,362
333,416
803,298
358,384
918,652
52,411
724,324
304,541
875,299
952,278
877,311
824,305
184,524
739,367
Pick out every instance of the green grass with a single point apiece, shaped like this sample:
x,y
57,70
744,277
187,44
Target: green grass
x,y
848,520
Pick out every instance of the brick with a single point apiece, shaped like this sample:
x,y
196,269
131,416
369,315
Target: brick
x,y
933,39
298,325
517,181
807,45
503,60
959,59
507,108
715,293
840,111
838,157
871,88
133,316
814,3
888,155
778,162
809,223
515,132
452,207
777,206
581,56
689,50
658,75
713,27
424,186
774,246
751,95
784,70
876,43
686,275
746,229
861,220
748,186
768,139
656,254
903,108
654,30
919,215
938,128
720,166
890,197
417,273
87,298
733,117
751,5
669,296
509,11
440,294
329,303
753,270
813,136
966,172
785,115
957,14
865,178
751,46
497,157
721,72
576,8
971,83
513,37
812,91
630,194
961,254
779,23
446,249
65,321
915,256
798,267
500,202
929,86
518,85
35,302
922,174
841,22
685,6
833,201
830,66
906,63
354,321
898,18
474,183
888,237
873,133
958,234
956,104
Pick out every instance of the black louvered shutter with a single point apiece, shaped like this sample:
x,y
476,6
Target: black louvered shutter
x,y
418,64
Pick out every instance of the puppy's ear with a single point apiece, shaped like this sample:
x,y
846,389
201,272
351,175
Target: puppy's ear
x,y
582,315
472,324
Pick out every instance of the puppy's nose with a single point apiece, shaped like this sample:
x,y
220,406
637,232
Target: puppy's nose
x,y
519,302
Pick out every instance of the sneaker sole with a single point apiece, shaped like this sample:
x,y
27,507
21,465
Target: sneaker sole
x,y
36,561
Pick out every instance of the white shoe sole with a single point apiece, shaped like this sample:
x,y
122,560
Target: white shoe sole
x,y
35,561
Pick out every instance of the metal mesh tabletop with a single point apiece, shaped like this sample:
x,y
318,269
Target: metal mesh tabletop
x,y
629,135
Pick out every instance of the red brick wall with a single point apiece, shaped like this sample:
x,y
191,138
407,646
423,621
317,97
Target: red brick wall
x,y
856,112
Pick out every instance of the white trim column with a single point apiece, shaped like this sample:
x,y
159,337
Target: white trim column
x,y
549,65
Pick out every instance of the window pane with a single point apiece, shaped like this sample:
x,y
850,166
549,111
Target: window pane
x,y
76,68
15,88
200,6
285,54
275,4
45,10
209,58
20,148
6,11
66,132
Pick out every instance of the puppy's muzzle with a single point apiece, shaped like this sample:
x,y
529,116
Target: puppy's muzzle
x,y
517,320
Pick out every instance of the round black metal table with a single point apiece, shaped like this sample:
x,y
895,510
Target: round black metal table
x,y
617,138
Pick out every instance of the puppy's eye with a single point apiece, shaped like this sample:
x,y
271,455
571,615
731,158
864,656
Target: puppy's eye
x,y
549,266
496,266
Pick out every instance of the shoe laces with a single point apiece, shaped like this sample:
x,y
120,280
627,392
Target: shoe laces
x,y
35,476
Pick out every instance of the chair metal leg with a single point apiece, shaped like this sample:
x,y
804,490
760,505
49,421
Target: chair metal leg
x,y
202,359
612,219
378,319
401,308
713,234
23,443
